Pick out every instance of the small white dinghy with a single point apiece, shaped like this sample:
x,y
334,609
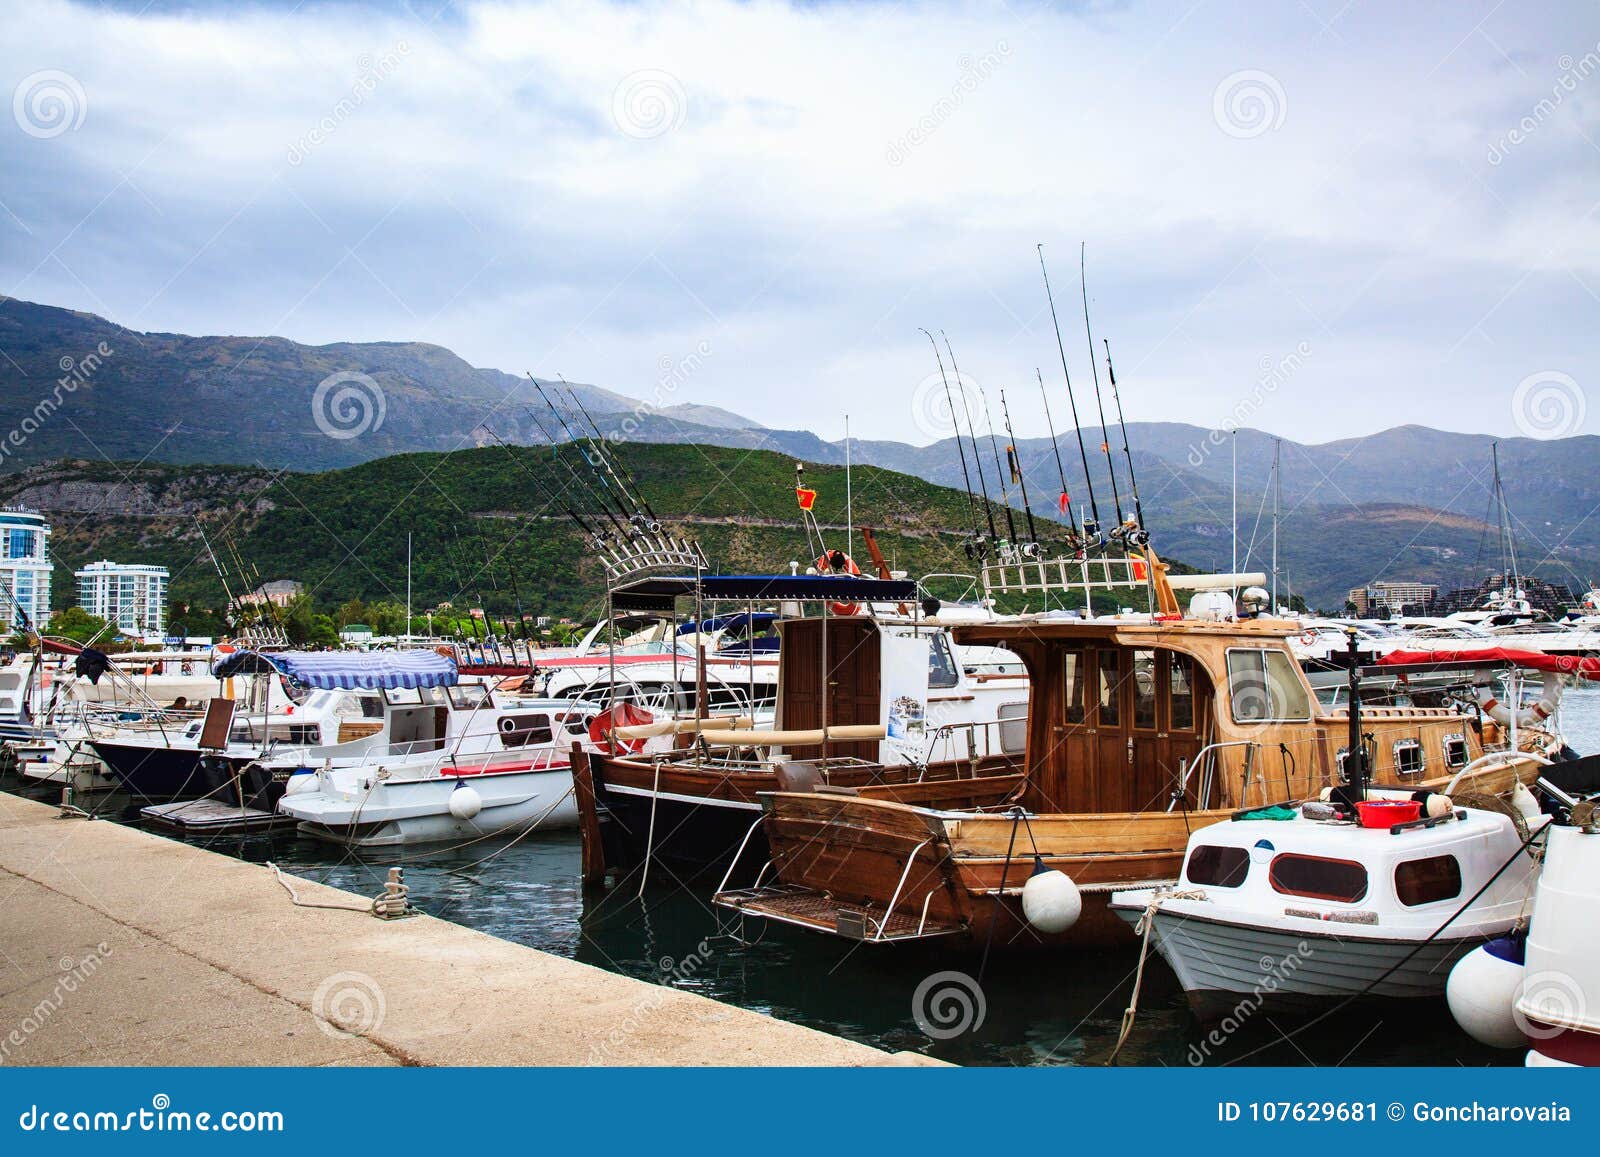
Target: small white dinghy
x,y
1301,911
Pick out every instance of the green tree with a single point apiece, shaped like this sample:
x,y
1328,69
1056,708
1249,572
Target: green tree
x,y
76,624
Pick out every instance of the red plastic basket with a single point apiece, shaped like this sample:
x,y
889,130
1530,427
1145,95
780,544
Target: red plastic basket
x,y
1383,813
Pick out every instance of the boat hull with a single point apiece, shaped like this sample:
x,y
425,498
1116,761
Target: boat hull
x,y
1226,968
399,813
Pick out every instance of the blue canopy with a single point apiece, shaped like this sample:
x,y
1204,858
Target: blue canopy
x,y
346,670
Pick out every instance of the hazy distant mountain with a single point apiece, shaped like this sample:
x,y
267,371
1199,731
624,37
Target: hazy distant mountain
x,y
1406,503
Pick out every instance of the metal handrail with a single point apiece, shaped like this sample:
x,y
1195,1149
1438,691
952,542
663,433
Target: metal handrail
x,y
1207,778
895,899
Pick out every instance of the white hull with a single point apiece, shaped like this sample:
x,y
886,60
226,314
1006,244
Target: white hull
x,y
1222,965
396,813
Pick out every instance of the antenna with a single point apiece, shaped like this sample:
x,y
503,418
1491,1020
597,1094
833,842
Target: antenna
x,y
1091,526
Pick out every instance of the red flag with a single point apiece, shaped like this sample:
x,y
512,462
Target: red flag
x,y
1065,502
1140,571
1105,448
805,497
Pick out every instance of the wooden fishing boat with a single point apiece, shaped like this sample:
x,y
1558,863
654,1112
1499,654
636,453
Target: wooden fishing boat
x,y
1141,728
870,701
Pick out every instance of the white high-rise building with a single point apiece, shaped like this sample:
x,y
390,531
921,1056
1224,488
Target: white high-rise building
x,y
25,567
131,596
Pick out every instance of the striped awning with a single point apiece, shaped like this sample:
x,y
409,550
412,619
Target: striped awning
x,y
345,670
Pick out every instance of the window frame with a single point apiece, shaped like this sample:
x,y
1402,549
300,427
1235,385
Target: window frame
x,y
1326,897
1294,676
1399,888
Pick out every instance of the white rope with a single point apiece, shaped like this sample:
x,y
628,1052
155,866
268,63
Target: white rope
x,y
371,907
1144,929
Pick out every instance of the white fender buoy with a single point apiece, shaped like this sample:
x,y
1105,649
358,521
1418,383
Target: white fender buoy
x,y
1482,993
1050,900
301,781
465,802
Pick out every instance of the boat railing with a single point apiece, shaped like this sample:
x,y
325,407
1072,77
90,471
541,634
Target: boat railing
x,y
946,735
1030,576
1206,760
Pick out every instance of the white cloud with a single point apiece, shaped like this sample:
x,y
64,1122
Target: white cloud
x,y
836,176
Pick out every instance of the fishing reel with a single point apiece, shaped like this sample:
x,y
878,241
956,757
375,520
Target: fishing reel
x,y
1028,550
648,525
976,548
1136,536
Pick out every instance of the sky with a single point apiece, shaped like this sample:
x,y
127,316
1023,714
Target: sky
x,y
1316,218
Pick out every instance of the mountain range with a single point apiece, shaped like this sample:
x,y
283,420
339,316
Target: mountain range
x,y
1407,503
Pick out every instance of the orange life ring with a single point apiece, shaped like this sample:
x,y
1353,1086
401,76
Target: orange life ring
x,y
837,562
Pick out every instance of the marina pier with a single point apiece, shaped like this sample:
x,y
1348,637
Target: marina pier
x,y
123,947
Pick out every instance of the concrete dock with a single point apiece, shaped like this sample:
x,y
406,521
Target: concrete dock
x,y
118,947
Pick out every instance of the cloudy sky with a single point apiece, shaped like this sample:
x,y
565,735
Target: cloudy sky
x,y
1389,211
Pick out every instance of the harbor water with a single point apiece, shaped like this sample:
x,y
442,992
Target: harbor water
x,y
1040,1009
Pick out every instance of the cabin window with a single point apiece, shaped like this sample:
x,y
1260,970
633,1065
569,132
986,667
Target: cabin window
x,y
1144,690
1181,696
1110,689
1408,757
467,696
1455,750
521,730
1265,688
577,724
1427,881
1013,727
942,672
1072,664
1217,866
1317,878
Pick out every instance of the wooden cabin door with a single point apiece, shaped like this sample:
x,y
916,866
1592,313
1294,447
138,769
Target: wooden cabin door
x,y
1168,722
853,684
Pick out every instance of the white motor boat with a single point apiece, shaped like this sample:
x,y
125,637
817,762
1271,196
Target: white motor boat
x,y
1541,992
1309,910
504,767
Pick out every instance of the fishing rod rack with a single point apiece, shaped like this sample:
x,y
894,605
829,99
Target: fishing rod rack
x,y
1064,574
633,557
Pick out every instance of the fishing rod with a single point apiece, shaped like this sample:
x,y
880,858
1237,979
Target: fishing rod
x,y
557,497
975,547
584,488
605,484
1105,436
1064,505
461,586
596,459
1139,536
972,433
626,475
1015,460
994,445
1091,525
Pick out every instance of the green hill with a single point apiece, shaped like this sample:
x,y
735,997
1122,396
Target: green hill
x,y
487,525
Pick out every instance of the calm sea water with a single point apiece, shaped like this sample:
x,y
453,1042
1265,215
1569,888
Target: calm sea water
x,y
1057,1008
